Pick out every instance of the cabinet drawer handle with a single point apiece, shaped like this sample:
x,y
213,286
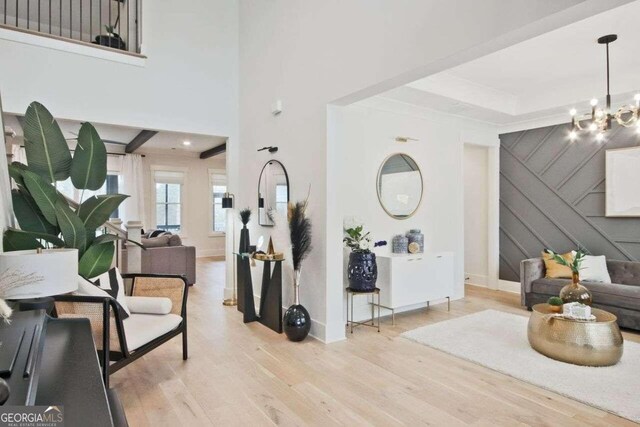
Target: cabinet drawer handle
x,y
439,256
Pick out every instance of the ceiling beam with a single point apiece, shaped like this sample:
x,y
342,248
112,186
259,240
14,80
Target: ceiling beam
x,y
214,151
139,140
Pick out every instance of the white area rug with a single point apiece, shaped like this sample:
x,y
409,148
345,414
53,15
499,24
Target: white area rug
x,y
498,341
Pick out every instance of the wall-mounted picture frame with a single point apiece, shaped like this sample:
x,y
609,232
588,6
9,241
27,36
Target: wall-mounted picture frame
x,y
623,182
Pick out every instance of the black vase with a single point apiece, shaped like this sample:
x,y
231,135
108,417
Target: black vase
x,y
362,271
296,322
296,319
4,391
244,240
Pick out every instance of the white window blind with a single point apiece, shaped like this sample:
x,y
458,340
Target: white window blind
x,y
168,177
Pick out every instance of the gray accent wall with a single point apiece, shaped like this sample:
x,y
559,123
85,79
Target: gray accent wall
x,y
552,195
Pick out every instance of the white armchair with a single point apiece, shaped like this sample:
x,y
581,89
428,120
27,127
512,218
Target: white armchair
x,y
158,305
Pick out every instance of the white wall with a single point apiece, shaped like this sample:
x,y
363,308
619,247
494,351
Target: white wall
x,y
196,214
476,214
188,82
310,54
367,133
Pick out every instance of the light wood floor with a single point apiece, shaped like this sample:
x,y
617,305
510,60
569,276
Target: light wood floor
x,y
247,375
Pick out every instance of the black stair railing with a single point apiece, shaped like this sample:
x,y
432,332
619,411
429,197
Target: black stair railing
x,y
111,23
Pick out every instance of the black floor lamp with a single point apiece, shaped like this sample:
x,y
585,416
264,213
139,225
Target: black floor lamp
x,y
227,203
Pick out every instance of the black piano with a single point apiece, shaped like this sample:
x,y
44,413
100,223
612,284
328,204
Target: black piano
x,y
53,362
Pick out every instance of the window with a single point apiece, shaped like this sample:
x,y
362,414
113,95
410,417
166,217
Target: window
x,y
168,186
109,187
218,183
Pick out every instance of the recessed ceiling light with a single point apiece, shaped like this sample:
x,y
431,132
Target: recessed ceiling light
x,y
186,143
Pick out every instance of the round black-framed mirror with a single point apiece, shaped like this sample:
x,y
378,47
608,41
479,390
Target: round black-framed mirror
x,y
273,192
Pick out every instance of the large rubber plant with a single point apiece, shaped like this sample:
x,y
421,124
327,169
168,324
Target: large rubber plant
x,y
47,219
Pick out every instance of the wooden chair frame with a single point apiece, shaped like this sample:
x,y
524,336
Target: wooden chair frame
x,y
109,309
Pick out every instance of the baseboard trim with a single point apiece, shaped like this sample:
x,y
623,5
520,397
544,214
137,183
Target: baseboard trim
x,y
503,285
509,286
476,279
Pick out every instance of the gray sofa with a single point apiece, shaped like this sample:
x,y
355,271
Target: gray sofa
x,y
622,297
169,260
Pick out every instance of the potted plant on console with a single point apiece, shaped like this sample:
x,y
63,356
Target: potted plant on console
x,y
245,216
362,270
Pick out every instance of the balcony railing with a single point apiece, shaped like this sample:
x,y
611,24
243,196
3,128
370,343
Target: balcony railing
x,y
110,23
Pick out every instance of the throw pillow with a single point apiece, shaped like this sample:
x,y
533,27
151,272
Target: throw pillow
x,y
157,233
111,282
88,288
156,242
555,270
175,240
594,269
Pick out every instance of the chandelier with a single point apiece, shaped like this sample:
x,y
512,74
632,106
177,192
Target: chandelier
x,y
599,121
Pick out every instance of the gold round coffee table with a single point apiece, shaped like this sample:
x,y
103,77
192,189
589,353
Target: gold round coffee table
x,y
597,343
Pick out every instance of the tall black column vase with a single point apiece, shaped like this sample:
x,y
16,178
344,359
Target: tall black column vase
x,y
244,240
296,320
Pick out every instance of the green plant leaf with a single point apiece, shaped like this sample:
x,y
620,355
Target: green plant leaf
x,y
13,241
15,172
28,214
104,238
47,151
96,260
89,164
72,227
44,194
96,210
19,240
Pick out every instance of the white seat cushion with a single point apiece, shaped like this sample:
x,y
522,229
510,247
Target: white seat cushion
x,y
141,329
149,305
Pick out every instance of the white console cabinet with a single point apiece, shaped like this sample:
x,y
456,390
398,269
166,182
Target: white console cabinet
x,y
406,280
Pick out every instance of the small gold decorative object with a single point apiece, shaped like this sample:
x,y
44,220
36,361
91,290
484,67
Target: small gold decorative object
x,y
414,248
270,250
596,343
575,292
555,308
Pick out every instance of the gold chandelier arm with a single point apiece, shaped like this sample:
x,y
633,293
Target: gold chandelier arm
x,y
631,114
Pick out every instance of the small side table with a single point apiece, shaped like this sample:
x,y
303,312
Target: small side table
x,y
350,293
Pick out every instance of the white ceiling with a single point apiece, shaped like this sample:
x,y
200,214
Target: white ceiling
x,y
119,136
541,77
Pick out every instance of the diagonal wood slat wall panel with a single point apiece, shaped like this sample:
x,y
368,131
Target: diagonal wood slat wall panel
x,y
552,193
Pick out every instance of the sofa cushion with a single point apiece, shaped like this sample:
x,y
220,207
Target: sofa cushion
x,y
149,305
158,233
553,270
594,269
141,329
613,294
175,240
624,272
156,242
